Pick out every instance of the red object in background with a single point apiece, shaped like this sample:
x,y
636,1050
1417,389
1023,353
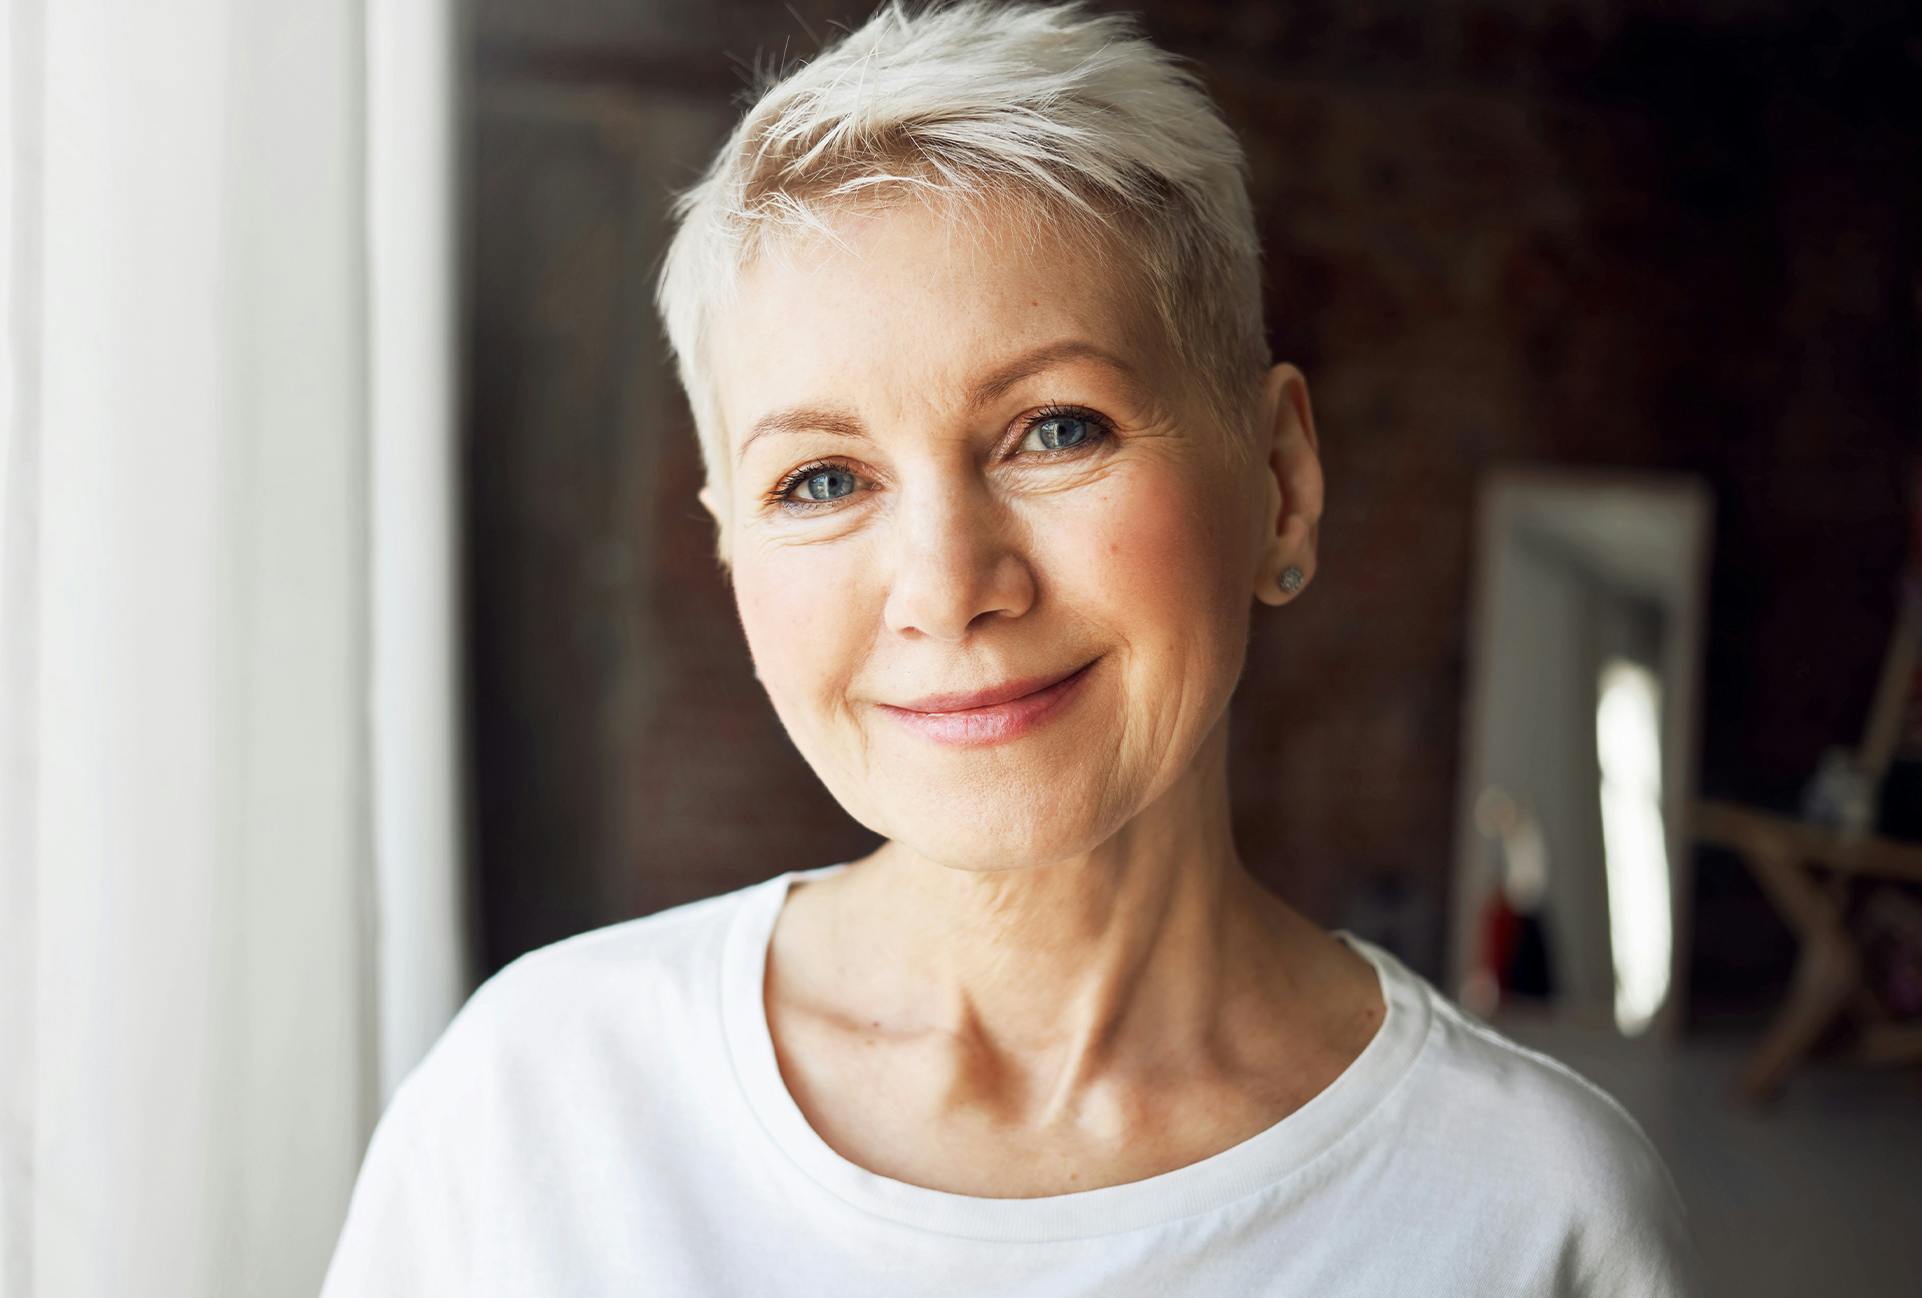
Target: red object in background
x,y
1501,933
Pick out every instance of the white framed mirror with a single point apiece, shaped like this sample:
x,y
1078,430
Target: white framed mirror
x,y
1580,735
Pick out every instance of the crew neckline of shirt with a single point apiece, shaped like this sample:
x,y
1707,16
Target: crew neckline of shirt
x,y
1265,1159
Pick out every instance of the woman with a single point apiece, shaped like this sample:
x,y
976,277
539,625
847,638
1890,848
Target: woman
x,y
967,311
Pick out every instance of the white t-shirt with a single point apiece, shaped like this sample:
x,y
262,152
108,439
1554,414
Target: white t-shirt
x,y
605,1117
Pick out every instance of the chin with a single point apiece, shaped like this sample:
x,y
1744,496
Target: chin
x,y
993,830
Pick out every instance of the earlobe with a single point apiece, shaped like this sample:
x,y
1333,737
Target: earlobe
x,y
1293,487
1279,585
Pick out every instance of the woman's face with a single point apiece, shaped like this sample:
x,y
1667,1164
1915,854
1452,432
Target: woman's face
x,y
959,464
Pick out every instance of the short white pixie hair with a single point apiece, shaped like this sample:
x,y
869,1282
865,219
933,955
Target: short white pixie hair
x,y
1076,117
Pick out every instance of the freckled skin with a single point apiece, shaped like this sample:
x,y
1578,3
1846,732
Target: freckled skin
x,y
1055,973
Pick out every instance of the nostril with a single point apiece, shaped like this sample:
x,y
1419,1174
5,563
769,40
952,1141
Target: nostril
x,y
948,592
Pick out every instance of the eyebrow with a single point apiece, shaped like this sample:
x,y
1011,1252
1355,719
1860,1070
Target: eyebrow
x,y
991,386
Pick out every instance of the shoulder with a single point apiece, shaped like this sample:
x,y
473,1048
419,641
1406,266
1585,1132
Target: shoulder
x,y
595,1002
1559,1152
1470,1086
1518,1097
1532,1097
542,1063
650,955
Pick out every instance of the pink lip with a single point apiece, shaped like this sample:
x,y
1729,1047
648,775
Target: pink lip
x,y
988,716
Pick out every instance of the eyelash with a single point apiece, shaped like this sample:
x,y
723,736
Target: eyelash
x,y
778,495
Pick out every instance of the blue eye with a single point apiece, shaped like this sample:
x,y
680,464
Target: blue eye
x,y
828,484
1062,432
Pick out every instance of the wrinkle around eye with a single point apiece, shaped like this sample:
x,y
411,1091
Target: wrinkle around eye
x,y
1051,469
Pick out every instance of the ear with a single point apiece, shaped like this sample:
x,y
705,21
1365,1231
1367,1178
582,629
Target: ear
x,y
711,503
1291,480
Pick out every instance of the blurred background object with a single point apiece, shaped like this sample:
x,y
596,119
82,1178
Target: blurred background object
x,y
334,675
1838,882
1581,724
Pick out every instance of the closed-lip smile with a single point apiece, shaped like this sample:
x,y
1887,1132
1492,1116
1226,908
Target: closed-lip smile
x,y
991,716
1006,692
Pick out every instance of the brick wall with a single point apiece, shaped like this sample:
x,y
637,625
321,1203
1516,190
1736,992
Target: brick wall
x,y
1557,233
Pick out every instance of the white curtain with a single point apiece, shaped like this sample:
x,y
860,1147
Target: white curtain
x,y
228,783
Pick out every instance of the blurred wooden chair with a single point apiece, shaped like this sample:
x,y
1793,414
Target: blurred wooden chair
x,y
1809,874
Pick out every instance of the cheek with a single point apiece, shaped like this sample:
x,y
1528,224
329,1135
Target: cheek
x,y
797,612
1158,556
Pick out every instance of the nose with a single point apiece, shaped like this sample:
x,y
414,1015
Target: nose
x,y
958,559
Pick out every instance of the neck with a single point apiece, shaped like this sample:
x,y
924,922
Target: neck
x,y
1059,974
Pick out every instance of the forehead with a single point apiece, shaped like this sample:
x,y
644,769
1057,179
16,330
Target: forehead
x,y
913,304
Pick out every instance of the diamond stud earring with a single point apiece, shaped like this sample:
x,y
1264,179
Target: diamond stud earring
x,y
1290,579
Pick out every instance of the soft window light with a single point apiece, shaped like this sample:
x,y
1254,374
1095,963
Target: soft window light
x,y
1628,745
